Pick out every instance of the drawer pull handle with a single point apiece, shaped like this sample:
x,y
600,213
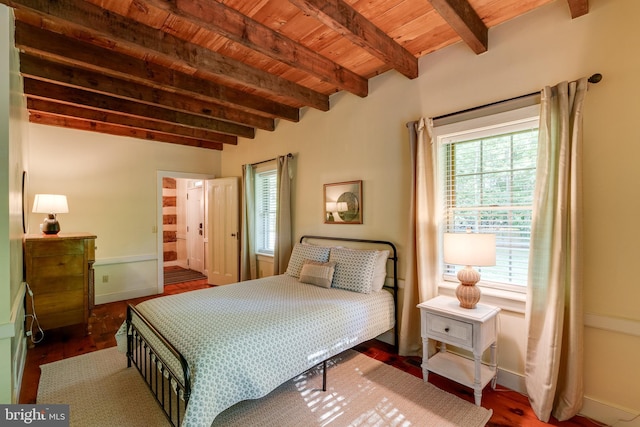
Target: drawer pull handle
x,y
446,329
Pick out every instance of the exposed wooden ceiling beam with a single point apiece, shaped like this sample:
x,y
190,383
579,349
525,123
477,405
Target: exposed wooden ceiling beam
x,y
65,110
465,21
79,124
578,8
221,19
73,96
128,36
41,69
212,70
66,50
341,17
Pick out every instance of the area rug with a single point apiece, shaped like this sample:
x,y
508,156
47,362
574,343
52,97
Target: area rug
x,y
100,391
181,275
361,391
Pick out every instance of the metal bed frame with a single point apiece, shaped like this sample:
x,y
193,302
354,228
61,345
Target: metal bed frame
x,y
172,389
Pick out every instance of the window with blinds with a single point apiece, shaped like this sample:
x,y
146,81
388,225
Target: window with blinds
x,y
265,204
487,180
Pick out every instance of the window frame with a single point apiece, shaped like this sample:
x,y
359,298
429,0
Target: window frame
x,y
271,170
512,295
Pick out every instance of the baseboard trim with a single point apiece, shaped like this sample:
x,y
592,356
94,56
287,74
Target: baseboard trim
x,y
610,415
125,259
124,295
591,408
512,381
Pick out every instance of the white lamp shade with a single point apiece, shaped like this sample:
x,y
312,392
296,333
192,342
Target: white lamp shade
x,y
342,206
50,204
470,249
331,207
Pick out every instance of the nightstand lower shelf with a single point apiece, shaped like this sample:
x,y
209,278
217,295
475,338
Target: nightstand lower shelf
x,y
458,369
474,330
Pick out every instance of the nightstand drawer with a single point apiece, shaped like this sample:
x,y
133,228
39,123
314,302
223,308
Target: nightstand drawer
x,y
450,330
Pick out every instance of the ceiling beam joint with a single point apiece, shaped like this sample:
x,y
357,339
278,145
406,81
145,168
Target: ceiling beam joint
x,y
345,20
465,21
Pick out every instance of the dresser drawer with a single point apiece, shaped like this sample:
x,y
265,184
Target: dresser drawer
x,y
57,266
452,331
47,248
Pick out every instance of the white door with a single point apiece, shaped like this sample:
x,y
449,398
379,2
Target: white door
x,y
223,261
195,229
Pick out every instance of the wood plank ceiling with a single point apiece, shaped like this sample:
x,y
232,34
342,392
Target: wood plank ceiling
x,y
204,72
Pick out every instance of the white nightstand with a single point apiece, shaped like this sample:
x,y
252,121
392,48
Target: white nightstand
x,y
442,319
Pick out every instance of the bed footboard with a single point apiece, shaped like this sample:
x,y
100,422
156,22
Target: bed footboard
x,y
163,368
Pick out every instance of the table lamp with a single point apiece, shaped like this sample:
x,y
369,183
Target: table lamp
x,y
51,204
469,249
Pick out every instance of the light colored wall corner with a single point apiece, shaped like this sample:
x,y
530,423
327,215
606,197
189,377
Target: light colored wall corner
x,y
265,265
122,278
13,143
6,377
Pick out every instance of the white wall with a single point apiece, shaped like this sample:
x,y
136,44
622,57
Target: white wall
x,y
367,139
12,164
111,185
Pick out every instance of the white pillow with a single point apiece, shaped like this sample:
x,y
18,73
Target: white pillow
x,y
317,273
302,252
380,272
354,269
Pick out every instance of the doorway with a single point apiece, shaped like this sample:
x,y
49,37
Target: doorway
x,y
181,210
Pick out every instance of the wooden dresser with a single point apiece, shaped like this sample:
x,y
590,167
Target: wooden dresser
x,y
59,271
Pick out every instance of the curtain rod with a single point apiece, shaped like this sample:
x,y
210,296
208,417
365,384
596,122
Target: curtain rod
x,y
595,78
289,155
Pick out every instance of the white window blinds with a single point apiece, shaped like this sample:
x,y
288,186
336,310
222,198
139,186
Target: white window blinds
x,y
266,199
487,182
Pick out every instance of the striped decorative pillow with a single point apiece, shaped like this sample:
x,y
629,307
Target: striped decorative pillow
x,y
317,273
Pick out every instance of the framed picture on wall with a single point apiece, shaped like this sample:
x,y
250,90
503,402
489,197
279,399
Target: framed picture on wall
x,y
343,203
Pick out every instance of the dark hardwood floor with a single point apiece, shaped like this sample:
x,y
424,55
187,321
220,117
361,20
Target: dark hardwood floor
x,y
509,408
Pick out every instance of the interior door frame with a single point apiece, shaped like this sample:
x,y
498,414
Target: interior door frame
x,y
160,175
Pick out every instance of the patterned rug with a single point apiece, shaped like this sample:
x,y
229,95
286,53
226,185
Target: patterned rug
x,y
361,391
181,275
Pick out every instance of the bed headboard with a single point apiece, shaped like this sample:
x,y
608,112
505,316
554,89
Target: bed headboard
x,y
370,244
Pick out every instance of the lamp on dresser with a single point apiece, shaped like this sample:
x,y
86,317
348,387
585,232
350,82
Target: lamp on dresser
x,y
469,249
52,205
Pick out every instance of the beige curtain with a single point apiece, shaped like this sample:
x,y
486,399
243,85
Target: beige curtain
x,y
248,261
283,218
421,247
554,315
